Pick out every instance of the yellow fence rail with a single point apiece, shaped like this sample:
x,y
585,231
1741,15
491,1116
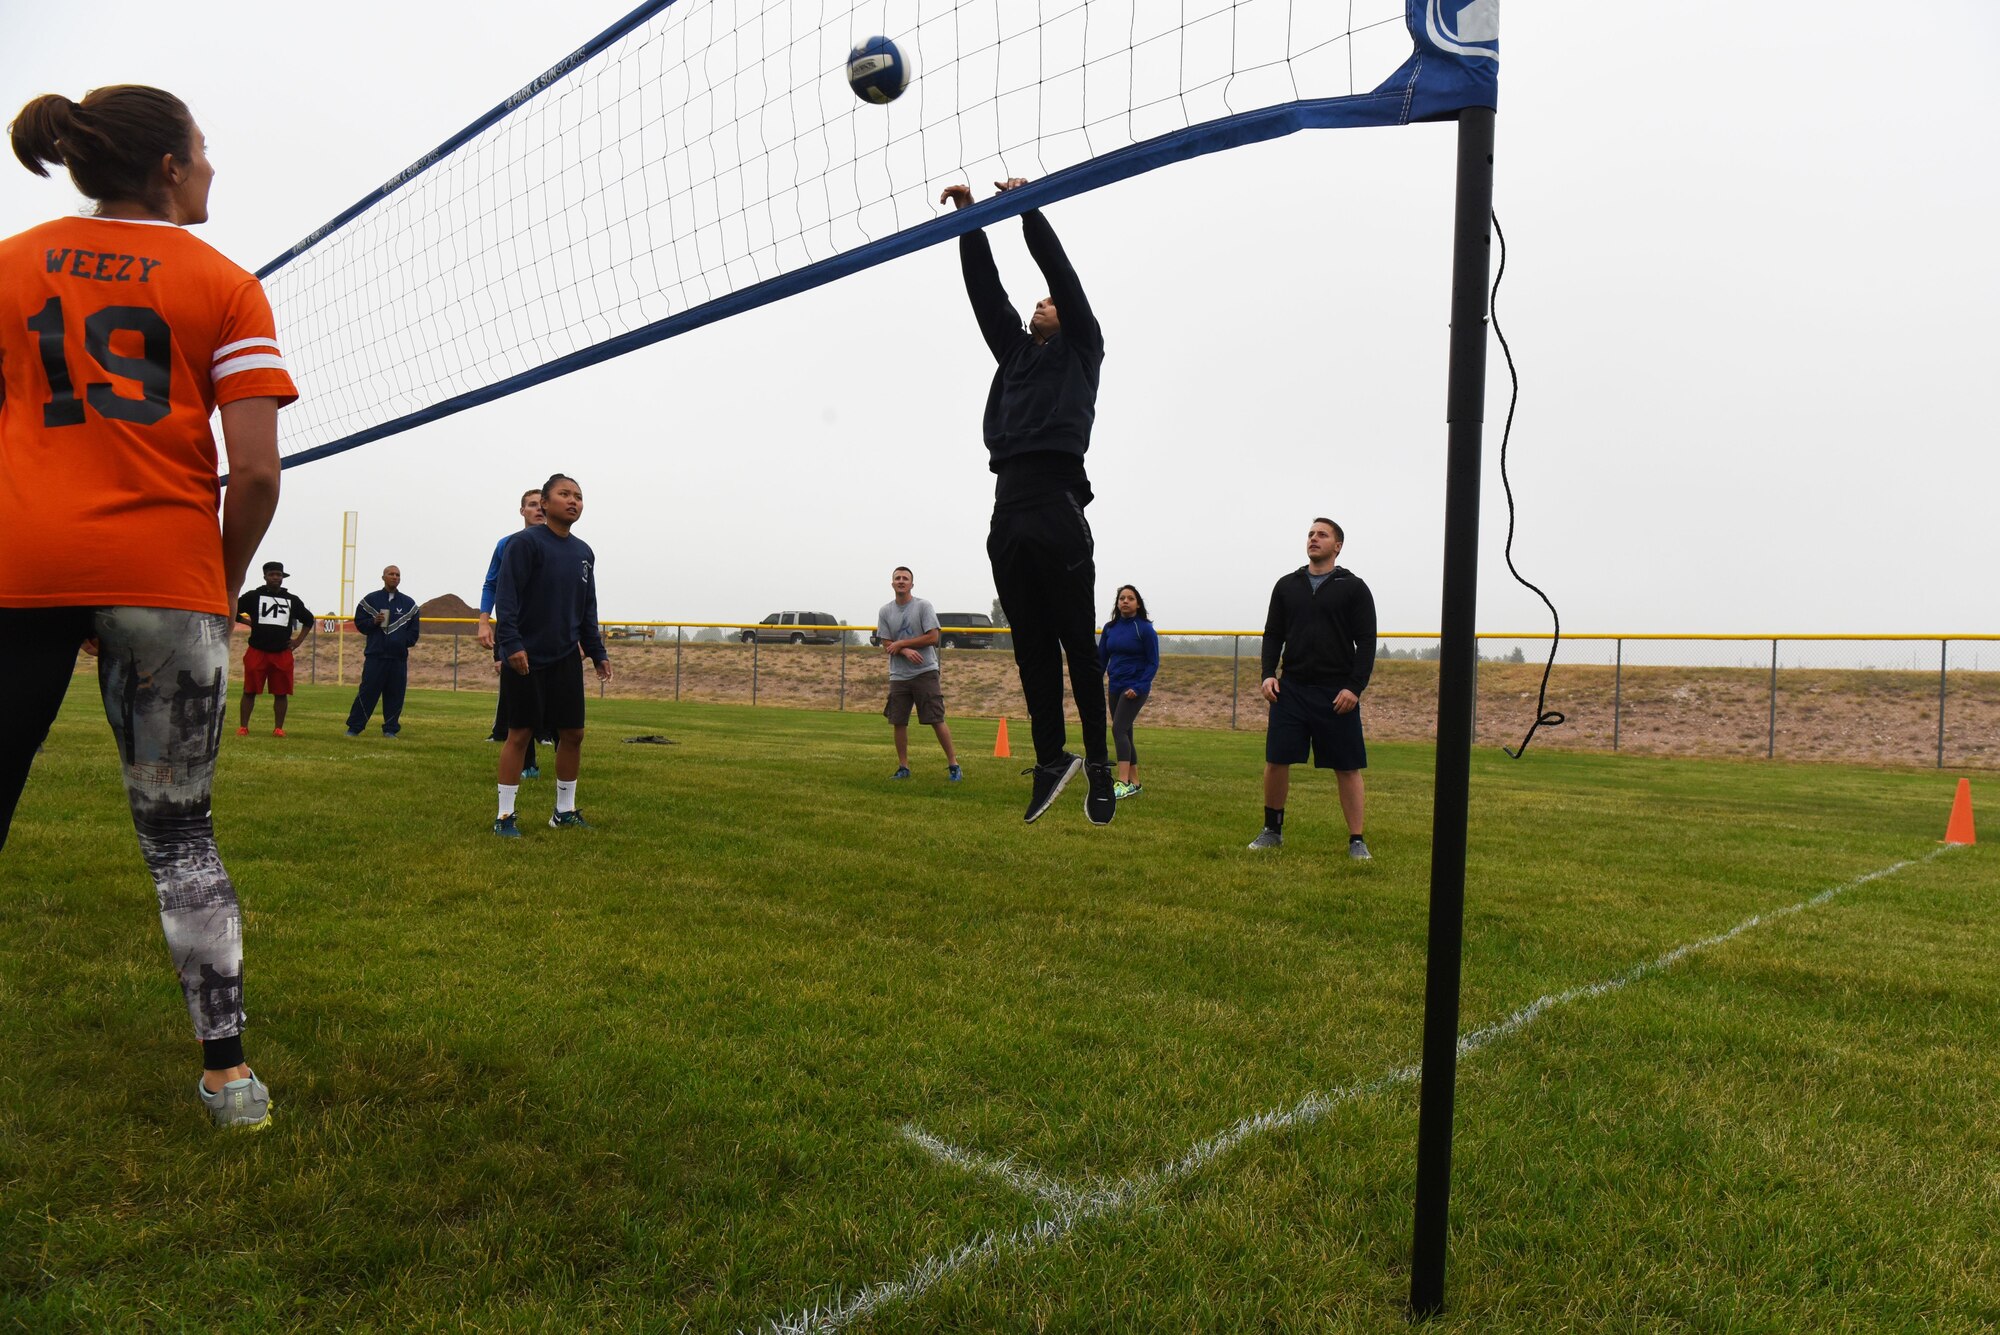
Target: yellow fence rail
x,y
1975,714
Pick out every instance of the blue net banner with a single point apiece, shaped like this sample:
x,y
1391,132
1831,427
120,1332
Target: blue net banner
x,y
700,158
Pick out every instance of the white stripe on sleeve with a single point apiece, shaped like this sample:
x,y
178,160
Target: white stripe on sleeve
x,y
243,343
253,363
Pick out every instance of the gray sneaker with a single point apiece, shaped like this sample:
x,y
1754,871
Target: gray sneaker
x,y
1358,850
1268,838
243,1104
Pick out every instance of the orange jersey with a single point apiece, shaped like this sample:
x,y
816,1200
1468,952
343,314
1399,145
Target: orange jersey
x,y
117,341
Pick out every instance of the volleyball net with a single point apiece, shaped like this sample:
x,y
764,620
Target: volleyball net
x,y
699,158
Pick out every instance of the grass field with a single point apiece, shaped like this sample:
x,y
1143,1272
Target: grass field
x,y
779,1037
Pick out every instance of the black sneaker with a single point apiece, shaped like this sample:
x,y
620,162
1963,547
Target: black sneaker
x,y
1050,779
1102,804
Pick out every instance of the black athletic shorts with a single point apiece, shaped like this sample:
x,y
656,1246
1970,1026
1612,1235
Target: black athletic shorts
x,y
547,700
1303,723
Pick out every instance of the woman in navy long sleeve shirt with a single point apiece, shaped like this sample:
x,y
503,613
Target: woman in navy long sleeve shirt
x,y
1131,654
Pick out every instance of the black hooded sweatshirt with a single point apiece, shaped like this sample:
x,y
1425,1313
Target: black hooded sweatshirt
x,y
1328,637
1043,400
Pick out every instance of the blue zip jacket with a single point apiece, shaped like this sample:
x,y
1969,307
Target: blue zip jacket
x,y
1131,654
395,639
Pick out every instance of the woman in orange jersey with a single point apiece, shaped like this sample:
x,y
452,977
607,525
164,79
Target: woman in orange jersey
x,y
120,335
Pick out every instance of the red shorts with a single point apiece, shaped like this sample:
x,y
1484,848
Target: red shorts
x,y
261,670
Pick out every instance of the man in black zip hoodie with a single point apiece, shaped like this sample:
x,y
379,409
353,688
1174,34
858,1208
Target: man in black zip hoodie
x,y
1039,412
1322,618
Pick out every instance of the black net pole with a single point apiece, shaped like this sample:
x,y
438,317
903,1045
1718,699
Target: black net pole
x,y
1465,412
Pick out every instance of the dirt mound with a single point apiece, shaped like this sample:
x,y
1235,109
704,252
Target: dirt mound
x,y
446,605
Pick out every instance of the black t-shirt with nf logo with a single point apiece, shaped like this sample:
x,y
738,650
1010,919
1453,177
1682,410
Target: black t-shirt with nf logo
x,y
274,614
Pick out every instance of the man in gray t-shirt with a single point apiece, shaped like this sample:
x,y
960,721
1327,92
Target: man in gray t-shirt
x,y
907,629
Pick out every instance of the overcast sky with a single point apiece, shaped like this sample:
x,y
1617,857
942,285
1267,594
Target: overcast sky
x,y
1750,289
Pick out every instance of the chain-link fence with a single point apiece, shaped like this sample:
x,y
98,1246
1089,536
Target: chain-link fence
x,y
1895,700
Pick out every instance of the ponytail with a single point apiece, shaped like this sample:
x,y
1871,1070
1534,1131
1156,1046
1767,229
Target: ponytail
x,y
111,142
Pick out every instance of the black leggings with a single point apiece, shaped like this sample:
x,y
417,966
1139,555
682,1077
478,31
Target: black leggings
x,y
1123,711
164,677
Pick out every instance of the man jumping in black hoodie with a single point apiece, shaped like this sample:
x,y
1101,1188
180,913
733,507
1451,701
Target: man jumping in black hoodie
x,y
1038,418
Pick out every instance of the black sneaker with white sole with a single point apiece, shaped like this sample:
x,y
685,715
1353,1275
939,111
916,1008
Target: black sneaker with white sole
x,y
1050,780
1102,804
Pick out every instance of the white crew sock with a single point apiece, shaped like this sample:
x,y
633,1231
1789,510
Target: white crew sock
x,y
565,795
507,793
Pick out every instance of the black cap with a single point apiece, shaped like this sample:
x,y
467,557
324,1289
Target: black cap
x,y
278,566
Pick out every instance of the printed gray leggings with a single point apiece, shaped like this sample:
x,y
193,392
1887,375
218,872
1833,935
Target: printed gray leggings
x,y
163,674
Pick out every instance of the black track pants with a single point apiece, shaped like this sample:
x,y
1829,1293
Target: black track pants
x,y
385,679
1045,572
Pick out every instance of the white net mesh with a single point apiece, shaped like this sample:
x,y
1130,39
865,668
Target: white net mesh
x,y
717,145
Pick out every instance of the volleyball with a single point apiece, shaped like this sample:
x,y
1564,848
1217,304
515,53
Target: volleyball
x,y
877,72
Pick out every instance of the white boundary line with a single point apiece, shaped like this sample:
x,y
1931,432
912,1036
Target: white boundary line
x,y
1026,1181
1073,1207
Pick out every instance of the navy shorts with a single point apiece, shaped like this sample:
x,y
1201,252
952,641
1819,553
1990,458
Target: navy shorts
x,y
1302,723
547,700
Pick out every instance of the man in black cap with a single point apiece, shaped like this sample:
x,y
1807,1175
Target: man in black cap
x,y
273,613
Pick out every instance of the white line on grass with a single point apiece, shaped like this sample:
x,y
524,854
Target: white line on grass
x,y
1073,1207
1024,1180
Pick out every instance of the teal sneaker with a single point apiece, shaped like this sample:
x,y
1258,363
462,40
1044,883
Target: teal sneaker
x,y
902,772
1122,790
568,820
531,772
506,827
240,1105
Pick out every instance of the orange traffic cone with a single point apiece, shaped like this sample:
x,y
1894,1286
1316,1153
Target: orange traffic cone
x,y
1959,829
1001,751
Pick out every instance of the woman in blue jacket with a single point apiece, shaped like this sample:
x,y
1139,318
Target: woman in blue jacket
x,y
1131,655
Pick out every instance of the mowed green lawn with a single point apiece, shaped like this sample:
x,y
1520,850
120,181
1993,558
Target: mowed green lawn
x,y
659,1075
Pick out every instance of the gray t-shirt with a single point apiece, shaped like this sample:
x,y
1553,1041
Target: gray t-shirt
x,y
906,621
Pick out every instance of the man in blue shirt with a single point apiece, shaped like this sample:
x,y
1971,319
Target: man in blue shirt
x,y
389,625
546,605
531,515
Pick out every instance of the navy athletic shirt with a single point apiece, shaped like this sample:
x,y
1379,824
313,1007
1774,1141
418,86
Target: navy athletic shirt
x,y
546,601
